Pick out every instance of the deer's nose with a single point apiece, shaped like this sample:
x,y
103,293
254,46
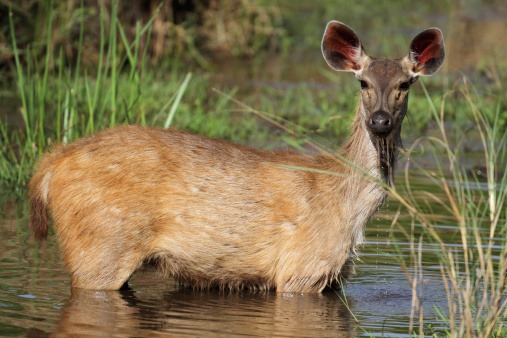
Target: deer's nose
x,y
380,122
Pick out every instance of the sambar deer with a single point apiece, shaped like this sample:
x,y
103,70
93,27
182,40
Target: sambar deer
x,y
215,214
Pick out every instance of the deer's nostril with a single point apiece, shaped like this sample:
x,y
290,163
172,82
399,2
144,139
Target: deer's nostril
x,y
380,122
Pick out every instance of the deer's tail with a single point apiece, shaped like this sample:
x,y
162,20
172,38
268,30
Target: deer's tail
x,y
38,199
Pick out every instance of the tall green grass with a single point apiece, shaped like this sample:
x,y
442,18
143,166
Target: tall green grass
x,y
60,103
474,203
60,100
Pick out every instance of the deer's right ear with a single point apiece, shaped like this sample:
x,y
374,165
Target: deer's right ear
x,y
342,49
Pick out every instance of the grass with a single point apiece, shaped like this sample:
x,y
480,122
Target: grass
x,y
60,102
62,99
475,203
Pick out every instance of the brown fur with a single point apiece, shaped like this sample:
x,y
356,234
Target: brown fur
x,y
209,212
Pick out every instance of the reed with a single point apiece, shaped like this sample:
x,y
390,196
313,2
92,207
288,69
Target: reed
x,y
60,101
475,203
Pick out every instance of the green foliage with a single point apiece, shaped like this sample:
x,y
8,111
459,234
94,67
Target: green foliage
x,y
61,99
60,102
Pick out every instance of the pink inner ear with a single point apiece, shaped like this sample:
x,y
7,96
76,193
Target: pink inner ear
x,y
431,51
426,45
351,54
344,45
338,44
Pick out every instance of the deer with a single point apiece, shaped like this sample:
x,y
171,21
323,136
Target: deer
x,y
213,214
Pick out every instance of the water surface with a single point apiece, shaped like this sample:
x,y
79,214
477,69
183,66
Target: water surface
x,y
36,300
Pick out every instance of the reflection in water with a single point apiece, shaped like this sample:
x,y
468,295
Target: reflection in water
x,y
36,301
140,313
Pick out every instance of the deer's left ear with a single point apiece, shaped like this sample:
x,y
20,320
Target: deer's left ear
x,y
427,52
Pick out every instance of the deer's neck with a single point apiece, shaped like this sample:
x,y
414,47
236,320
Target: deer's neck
x,y
361,154
361,192
373,156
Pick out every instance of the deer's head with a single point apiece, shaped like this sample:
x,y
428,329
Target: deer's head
x,y
384,83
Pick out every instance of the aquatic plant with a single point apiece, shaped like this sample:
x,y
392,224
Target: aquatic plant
x,y
474,204
62,100
61,97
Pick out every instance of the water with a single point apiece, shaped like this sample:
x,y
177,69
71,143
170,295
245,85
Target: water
x,y
36,300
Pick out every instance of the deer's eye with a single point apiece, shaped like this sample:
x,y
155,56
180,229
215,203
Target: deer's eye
x,y
405,85
364,84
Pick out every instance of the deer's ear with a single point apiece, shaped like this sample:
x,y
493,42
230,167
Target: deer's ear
x,y
427,52
342,49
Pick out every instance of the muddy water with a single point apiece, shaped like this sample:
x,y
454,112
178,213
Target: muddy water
x,y
35,298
